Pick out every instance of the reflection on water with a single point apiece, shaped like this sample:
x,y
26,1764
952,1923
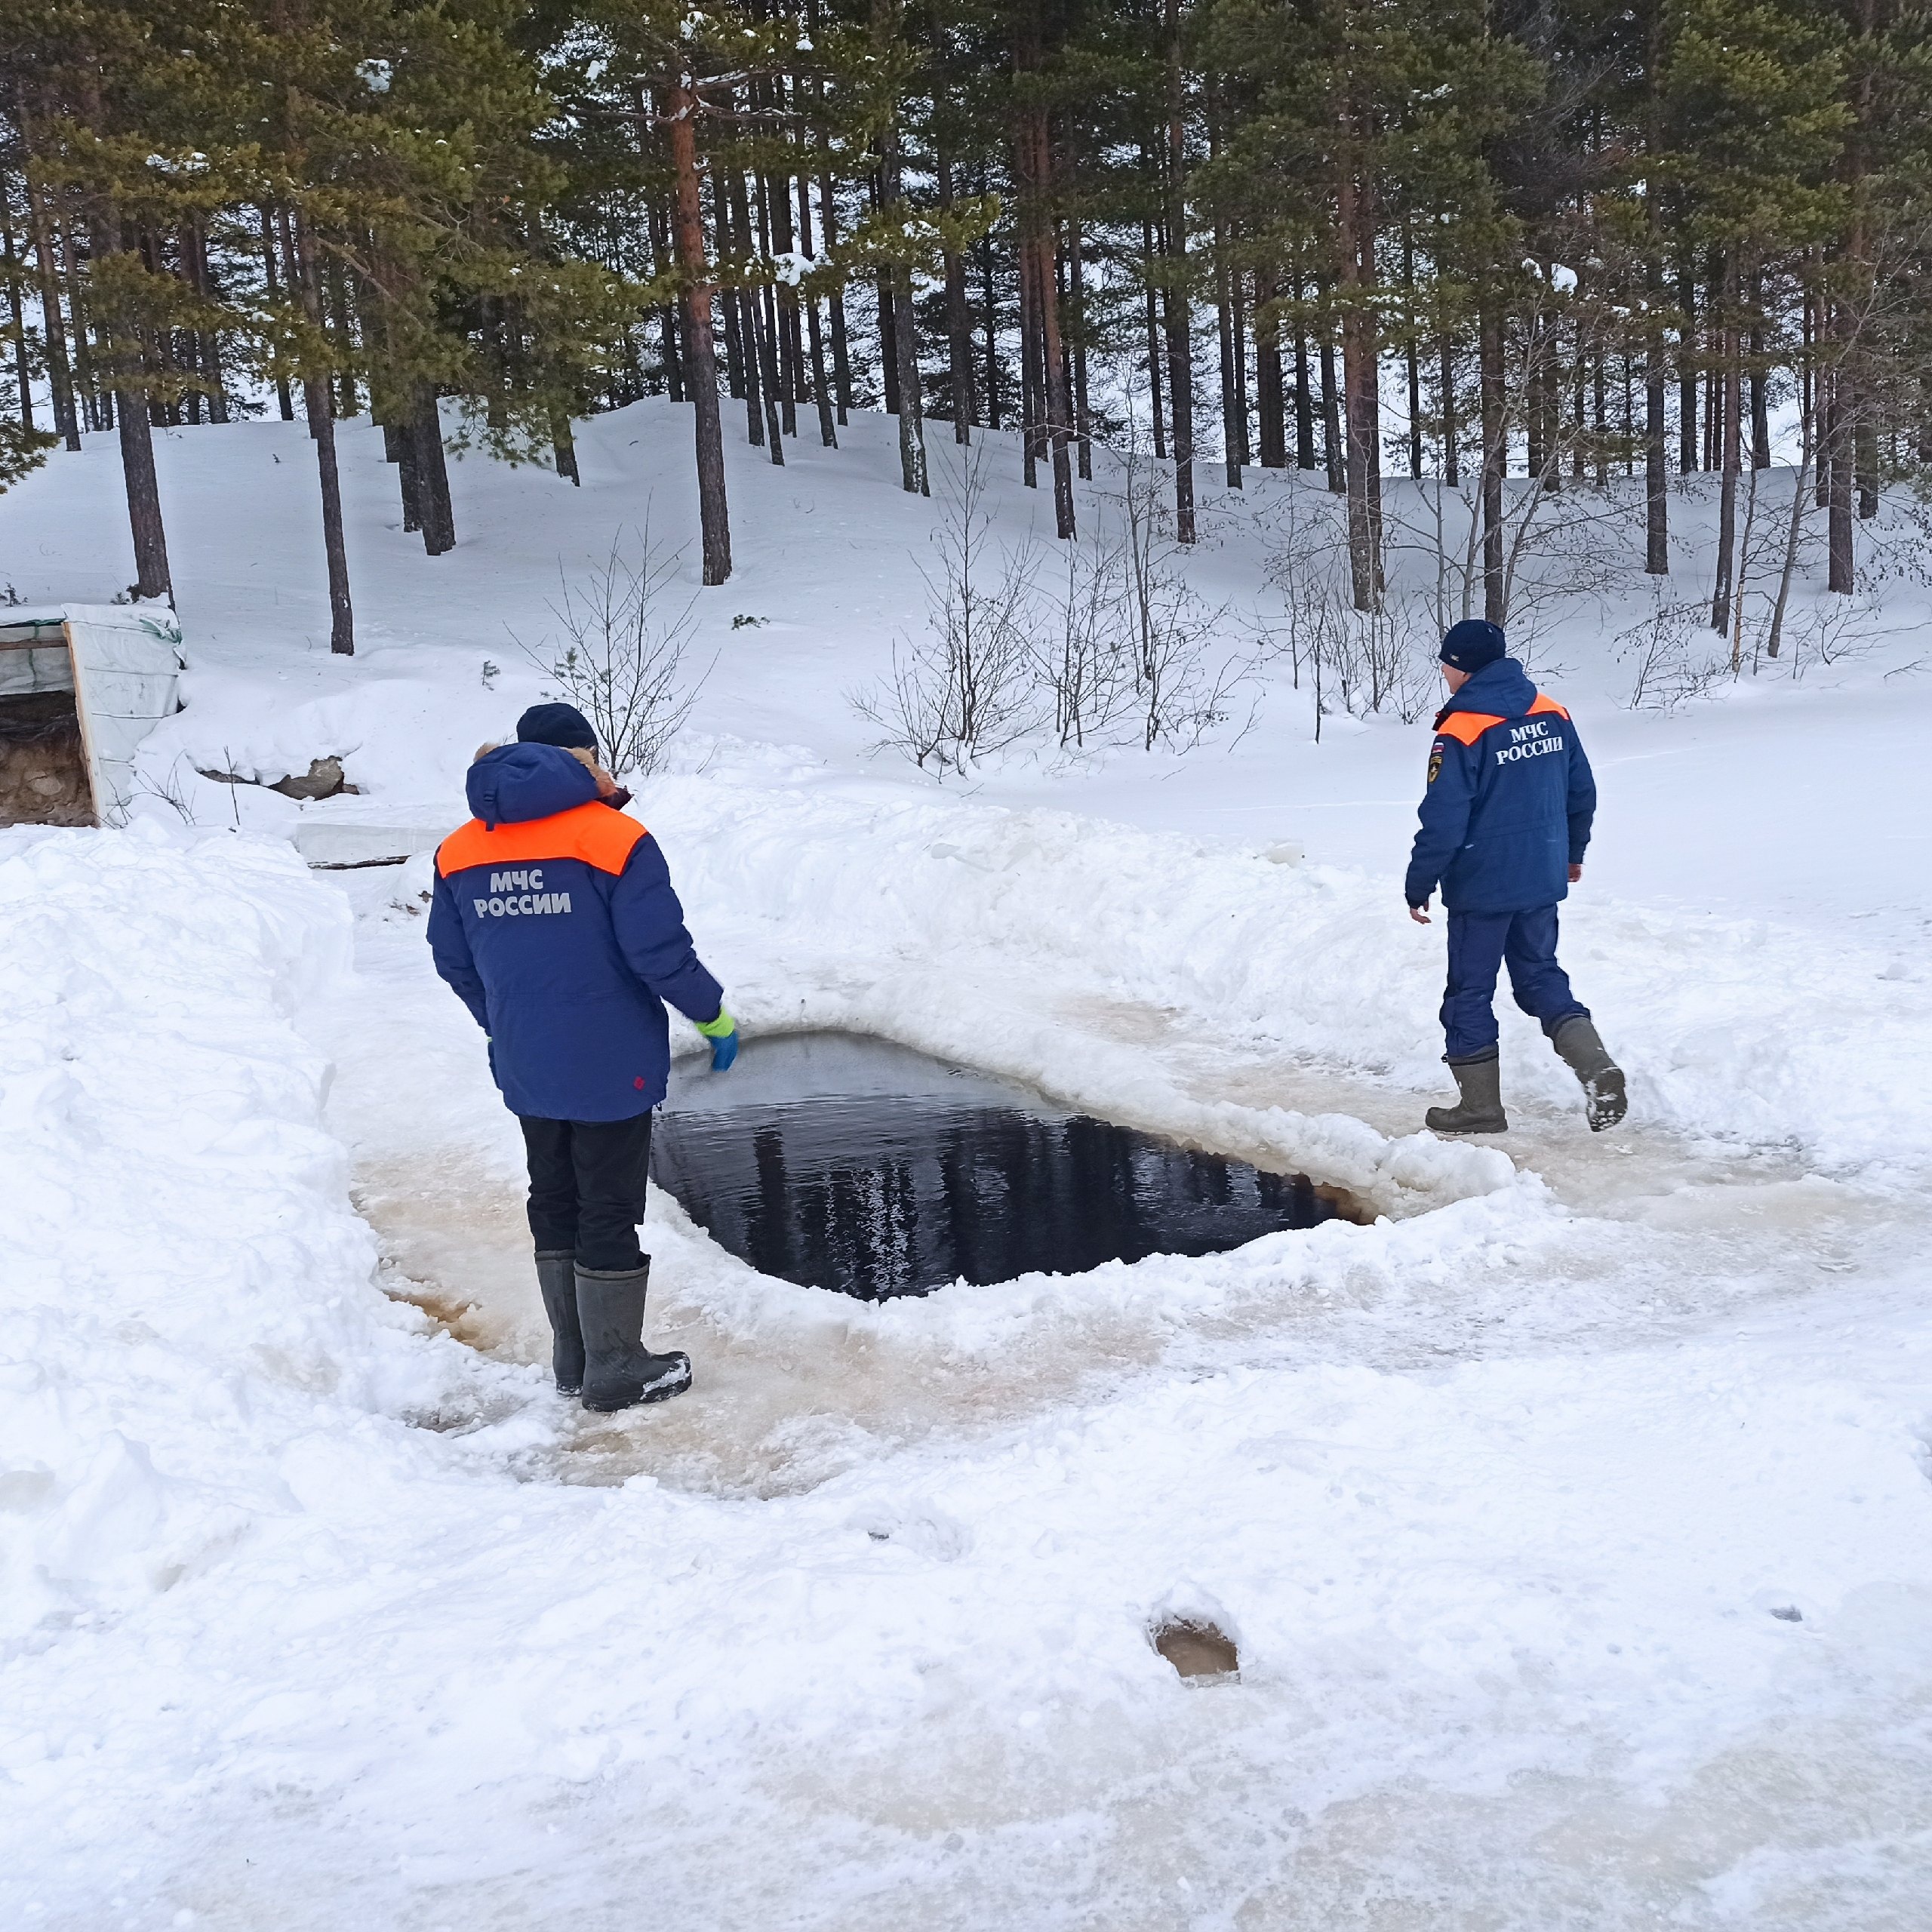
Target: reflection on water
x,y
848,1163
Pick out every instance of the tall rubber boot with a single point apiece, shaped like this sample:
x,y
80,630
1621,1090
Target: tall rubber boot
x,y
619,1371
1578,1042
1480,1111
556,1277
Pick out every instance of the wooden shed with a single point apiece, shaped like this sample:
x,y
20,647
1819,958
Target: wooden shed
x,y
81,686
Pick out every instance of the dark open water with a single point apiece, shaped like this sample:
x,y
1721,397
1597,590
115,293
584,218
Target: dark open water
x,y
845,1162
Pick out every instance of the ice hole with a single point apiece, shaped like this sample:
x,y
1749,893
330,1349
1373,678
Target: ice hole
x,y
840,1161
1197,1649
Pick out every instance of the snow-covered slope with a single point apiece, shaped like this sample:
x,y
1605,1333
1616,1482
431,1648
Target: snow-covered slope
x,y
1573,1520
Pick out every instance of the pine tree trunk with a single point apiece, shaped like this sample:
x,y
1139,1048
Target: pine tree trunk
x,y
663,259
434,502
895,289
1841,576
1224,322
66,417
669,355
1083,419
1411,356
1356,214
821,390
1730,429
151,575
1827,439
764,325
563,446
1656,488
742,301
958,320
737,361
1794,524
1053,362
774,230
322,426
317,403
735,220
1153,350
87,391
1760,414
285,401
988,284
122,349
841,357
211,341
1304,395
23,366
1180,325
345,396
887,308
1600,404
1452,458
1032,410
1270,380
1687,370
399,447
1331,420
700,357
1036,172
1495,454
1239,318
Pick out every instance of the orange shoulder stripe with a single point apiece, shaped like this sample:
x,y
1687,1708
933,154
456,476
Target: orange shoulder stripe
x,y
1546,704
593,832
1466,726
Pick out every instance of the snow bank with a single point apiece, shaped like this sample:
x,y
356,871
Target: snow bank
x,y
990,934
186,1291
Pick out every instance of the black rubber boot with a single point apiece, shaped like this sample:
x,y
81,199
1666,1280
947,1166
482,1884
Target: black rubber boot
x,y
556,1276
619,1371
1480,1110
1582,1048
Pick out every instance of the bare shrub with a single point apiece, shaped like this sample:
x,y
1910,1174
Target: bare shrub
x,y
1358,661
1670,657
620,657
968,688
1077,656
1184,680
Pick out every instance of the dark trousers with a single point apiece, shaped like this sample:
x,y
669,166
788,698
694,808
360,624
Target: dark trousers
x,y
587,1188
1480,942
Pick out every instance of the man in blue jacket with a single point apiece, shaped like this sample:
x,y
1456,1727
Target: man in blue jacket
x,y
554,920
1506,821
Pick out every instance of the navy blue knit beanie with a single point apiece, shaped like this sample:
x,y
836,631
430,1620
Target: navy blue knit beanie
x,y
1471,645
556,724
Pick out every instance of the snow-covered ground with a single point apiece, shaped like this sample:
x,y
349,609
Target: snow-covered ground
x,y
1574,1520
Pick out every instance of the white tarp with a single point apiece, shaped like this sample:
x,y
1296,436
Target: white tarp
x,y
122,662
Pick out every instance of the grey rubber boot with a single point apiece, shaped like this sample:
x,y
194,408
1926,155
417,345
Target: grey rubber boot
x,y
556,1277
1582,1048
1480,1110
619,1371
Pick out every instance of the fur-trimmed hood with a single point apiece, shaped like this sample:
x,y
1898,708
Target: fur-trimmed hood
x,y
514,783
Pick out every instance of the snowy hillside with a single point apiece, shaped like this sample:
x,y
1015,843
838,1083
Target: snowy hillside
x,y
1573,1518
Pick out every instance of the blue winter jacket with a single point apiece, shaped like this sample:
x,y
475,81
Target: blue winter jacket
x,y
1509,802
554,919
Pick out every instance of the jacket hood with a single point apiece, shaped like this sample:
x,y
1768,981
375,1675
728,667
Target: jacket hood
x,y
1502,689
517,782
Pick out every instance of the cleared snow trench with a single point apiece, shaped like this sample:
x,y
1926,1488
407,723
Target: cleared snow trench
x,y
839,1161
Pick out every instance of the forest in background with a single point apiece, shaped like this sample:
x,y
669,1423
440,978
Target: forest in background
x,y
1523,247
